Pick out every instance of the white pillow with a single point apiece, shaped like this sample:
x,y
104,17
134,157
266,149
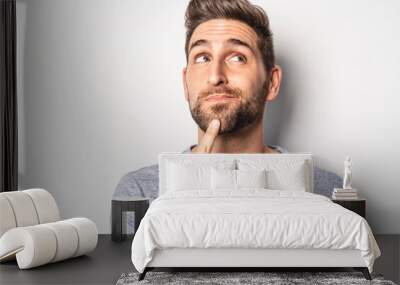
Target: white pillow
x,y
282,174
223,178
237,179
182,177
185,174
288,178
251,178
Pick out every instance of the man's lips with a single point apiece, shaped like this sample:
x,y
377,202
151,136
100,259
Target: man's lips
x,y
219,97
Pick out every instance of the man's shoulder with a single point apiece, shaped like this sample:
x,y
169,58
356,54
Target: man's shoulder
x,y
140,182
325,181
146,172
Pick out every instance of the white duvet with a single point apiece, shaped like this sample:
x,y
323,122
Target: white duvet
x,y
251,218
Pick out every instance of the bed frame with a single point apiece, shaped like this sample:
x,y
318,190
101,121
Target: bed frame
x,y
248,259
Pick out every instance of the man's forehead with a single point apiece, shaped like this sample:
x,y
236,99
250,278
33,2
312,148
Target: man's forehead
x,y
222,31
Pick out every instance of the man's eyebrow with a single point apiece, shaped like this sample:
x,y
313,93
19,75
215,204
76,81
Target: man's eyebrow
x,y
238,42
232,41
198,43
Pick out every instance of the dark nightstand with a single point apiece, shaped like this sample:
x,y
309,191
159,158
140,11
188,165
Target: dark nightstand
x,y
357,206
119,205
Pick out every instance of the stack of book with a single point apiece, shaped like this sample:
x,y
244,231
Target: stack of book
x,y
344,194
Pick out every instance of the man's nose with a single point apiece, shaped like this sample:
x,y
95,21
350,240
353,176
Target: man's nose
x,y
217,74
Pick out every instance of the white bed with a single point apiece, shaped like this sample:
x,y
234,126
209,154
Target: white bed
x,y
201,220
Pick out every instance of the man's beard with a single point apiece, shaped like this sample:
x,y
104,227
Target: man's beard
x,y
234,114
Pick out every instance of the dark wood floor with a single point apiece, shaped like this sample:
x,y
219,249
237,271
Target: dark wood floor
x,y
111,259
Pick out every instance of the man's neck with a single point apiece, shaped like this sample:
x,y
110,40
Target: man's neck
x,y
249,140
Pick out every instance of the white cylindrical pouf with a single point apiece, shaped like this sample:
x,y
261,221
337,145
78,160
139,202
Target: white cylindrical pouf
x,y
33,245
7,218
87,232
67,239
46,206
40,244
23,208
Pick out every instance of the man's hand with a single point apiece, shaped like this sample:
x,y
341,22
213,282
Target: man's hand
x,y
207,140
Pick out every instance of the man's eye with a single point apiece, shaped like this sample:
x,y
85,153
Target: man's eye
x,y
201,58
238,58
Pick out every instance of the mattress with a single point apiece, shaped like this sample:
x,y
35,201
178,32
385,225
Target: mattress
x,y
254,218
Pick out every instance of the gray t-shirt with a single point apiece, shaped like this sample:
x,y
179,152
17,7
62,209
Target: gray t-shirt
x,y
144,181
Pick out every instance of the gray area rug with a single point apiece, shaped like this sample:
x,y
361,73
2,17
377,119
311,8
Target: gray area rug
x,y
225,278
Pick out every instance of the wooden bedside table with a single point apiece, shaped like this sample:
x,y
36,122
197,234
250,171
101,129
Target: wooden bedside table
x,y
357,205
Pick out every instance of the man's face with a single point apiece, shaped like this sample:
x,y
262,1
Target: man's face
x,y
224,61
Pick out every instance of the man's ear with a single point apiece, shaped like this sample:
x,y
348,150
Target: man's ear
x,y
185,88
275,83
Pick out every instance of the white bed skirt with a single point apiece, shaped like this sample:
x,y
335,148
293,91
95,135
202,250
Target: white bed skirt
x,y
251,257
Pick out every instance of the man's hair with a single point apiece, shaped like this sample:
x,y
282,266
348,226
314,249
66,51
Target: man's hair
x,y
200,11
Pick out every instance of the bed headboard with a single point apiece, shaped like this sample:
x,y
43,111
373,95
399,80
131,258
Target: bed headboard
x,y
165,157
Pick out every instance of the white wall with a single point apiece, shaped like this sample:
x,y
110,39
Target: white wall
x,y
100,95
